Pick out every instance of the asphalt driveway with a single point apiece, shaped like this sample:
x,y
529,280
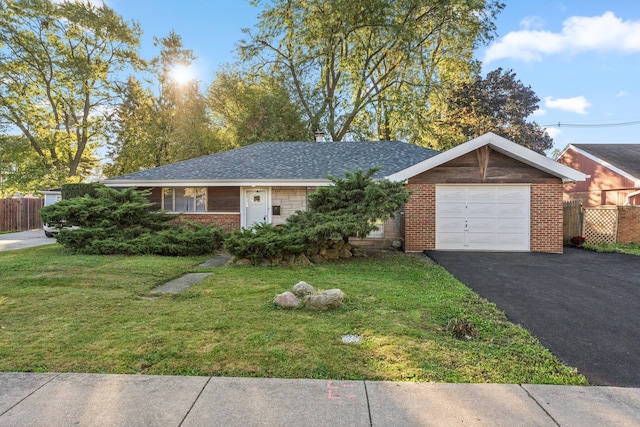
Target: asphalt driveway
x,y
24,239
582,305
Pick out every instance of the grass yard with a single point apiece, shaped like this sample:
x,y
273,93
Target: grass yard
x,y
624,248
74,313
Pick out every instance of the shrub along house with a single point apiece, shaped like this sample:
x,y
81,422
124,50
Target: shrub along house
x,y
486,194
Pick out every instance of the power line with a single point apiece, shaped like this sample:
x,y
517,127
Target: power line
x,y
602,125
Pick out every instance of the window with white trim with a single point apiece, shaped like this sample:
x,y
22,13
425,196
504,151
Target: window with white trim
x,y
379,233
184,199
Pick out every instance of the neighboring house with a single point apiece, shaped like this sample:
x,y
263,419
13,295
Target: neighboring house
x,y
613,172
486,194
52,196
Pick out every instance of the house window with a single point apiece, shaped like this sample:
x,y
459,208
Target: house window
x,y
188,199
379,233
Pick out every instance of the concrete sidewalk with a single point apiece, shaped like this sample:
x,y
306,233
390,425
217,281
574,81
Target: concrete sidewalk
x,y
140,400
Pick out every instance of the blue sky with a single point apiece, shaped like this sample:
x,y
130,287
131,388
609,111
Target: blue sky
x,y
581,57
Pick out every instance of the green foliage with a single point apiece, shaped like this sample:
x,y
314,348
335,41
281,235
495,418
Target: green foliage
x,y
357,201
369,67
498,103
58,62
78,190
349,207
153,129
120,222
264,241
249,109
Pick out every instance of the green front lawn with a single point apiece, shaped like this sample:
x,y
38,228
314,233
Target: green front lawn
x,y
73,313
623,248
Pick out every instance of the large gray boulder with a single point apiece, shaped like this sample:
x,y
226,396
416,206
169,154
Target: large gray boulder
x,y
331,298
302,289
286,300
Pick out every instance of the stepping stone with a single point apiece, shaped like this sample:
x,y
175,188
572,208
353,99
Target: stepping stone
x,y
180,284
219,260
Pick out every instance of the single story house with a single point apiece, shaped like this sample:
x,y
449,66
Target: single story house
x,y
486,194
613,172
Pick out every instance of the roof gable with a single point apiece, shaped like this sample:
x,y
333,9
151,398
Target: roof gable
x,y
301,162
501,145
624,159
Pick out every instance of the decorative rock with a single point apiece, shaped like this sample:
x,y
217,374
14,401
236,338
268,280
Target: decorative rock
x,y
286,300
302,289
317,258
301,260
345,253
397,244
328,299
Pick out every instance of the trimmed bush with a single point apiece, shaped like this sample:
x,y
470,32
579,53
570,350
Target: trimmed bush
x,y
120,222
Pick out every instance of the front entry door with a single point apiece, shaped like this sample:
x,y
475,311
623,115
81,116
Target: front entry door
x,y
256,206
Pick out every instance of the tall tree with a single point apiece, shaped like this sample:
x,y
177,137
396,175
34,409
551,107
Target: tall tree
x,y
58,63
249,109
369,65
164,125
498,103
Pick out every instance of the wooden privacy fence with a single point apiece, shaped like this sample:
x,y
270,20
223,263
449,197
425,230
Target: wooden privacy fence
x,y
601,224
20,214
572,220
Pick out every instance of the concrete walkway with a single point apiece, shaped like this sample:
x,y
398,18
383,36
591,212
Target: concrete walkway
x,y
138,400
185,281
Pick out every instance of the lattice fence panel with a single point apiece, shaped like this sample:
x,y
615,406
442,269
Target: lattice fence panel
x,y
600,225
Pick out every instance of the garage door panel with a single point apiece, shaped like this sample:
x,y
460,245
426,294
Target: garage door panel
x,y
451,209
512,195
512,211
509,225
450,241
451,224
481,210
483,217
454,194
478,225
481,193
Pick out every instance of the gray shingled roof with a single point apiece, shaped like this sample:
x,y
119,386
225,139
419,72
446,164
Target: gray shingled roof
x,y
623,156
290,161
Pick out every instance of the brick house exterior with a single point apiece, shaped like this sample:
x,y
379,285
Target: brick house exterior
x,y
613,173
486,194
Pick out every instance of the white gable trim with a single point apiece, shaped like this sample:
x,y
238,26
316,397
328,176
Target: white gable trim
x,y
501,145
636,180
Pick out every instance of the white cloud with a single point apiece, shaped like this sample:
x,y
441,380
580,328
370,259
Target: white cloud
x,y
532,22
578,104
553,132
539,112
606,33
622,94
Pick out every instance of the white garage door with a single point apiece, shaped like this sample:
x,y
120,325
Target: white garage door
x,y
483,217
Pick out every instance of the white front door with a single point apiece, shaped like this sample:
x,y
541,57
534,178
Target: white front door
x,y
256,206
483,217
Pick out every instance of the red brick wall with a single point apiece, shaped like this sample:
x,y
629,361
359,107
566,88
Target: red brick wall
x,y
420,218
228,222
628,224
546,217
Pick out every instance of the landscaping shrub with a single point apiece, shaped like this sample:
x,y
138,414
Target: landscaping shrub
x,y
120,222
349,207
264,241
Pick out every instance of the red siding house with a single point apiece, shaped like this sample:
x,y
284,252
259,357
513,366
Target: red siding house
x,y
613,173
487,194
